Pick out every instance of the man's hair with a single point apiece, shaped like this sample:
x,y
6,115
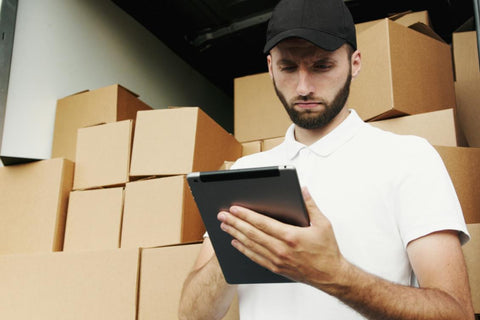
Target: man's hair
x,y
350,51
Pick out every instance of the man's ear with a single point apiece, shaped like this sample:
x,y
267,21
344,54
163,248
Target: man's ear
x,y
269,63
356,63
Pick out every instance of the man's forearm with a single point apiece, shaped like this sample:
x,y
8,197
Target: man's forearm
x,y
205,293
376,298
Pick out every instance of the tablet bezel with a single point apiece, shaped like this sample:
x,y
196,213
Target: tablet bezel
x,y
274,191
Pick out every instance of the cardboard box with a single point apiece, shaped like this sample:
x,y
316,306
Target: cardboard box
x,y
251,147
179,141
94,220
163,272
465,54
88,108
226,165
33,205
467,72
471,251
103,155
268,144
462,165
67,285
160,212
409,18
405,18
438,127
468,109
403,72
258,113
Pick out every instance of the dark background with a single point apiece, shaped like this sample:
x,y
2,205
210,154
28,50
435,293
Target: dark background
x,y
223,39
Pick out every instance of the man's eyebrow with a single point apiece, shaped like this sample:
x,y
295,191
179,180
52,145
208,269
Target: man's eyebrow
x,y
285,61
325,59
321,60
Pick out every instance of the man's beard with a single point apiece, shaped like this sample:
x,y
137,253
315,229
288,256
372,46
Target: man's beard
x,y
309,119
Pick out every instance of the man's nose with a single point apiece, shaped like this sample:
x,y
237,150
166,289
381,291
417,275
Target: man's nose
x,y
305,85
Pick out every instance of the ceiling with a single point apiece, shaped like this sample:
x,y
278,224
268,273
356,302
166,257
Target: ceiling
x,y
223,39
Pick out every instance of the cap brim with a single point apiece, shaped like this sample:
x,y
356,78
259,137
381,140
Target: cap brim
x,y
323,40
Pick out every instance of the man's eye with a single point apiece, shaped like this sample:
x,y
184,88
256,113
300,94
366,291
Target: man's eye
x,y
322,67
288,68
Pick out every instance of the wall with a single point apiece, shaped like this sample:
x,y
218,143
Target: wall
x,y
65,46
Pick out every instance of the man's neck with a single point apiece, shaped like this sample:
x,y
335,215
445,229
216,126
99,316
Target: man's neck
x,y
310,136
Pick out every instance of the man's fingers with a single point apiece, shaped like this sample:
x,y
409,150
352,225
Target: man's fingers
x,y
247,226
265,224
250,241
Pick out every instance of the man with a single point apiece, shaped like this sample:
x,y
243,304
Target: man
x,y
382,206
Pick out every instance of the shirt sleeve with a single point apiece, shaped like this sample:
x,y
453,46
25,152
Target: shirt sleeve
x,y
426,200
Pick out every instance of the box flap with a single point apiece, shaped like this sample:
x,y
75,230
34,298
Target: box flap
x,y
398,15
129,91
423,28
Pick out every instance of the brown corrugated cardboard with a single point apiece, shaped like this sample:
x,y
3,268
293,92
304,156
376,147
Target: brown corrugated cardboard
x,y
258,114
403,72
467,72
251,147
226,165
94,219
67,285
179,141
163,271
160,212
103,155
405,18
462,165
411,18
471,250
468,109
268,144
465,54
88,108
438,127
33,205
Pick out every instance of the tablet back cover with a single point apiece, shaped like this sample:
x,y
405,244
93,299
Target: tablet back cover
x,y
274,191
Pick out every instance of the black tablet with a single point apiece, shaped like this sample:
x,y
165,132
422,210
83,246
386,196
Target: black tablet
x,y
273,191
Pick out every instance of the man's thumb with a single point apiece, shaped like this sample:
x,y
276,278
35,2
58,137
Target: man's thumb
x,y
313,212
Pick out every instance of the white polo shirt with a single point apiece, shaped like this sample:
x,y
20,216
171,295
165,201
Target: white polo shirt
x,y
379,190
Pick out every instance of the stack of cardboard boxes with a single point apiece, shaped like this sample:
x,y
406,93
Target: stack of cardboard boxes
x,y
407,86
108,229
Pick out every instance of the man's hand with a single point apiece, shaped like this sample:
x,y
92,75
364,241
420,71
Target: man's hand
x,y
304,254
311,255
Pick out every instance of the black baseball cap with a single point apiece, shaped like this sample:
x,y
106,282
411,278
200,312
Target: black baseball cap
x,y
326,23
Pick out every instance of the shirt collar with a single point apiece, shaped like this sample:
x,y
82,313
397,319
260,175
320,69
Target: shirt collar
x,y
329,143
